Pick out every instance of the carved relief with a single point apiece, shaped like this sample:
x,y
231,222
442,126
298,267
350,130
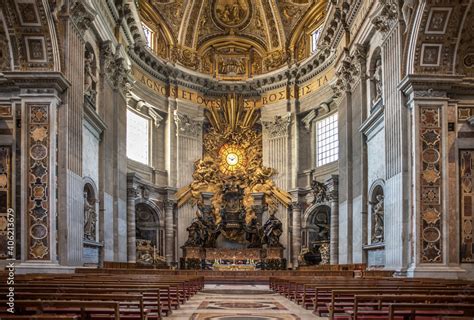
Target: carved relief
x,y
438,20
38,182
82,15
430,184
430,55
231,13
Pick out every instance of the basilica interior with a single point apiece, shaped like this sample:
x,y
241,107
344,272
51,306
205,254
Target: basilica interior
x,y
233,139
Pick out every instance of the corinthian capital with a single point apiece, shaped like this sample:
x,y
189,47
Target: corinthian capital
x,y
278,127
82,15
187,126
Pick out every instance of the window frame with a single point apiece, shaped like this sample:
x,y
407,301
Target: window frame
x,y
149,132
152,33
314,42
321,163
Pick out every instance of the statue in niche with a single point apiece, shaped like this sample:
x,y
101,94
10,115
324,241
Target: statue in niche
x,y
378,214
272,230
320,192
90,217
90,79
407,10
253,233
377,80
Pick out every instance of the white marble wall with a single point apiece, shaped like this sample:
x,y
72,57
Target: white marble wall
x,y
108,227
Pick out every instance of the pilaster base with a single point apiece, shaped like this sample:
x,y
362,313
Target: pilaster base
x,y
440,272
48,267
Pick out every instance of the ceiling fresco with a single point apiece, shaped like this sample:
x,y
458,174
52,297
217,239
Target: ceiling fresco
x,y
232,39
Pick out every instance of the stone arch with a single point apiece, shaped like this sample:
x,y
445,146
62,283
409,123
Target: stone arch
x,y
316,224
149,224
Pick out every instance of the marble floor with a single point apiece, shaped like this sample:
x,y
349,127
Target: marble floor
x,y
240,302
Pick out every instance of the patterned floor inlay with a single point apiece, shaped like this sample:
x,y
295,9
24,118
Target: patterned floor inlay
x,y
242,316
240,302
236,305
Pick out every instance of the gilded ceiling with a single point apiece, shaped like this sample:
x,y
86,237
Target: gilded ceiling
x,y
232,39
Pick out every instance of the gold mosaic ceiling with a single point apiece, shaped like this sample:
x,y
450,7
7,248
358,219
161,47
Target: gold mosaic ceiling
x,y
232,39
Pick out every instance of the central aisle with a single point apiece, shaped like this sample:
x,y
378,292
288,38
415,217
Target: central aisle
x,y
240,302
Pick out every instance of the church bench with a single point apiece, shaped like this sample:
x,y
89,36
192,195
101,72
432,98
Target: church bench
x,y
344,300
84,308
152,299
430,310
134,301
40,317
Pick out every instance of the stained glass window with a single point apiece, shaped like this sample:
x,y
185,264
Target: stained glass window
x,y
148,36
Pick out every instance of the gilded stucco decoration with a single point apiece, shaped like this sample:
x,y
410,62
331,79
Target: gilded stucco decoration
x,y
231,39
233,159
430,184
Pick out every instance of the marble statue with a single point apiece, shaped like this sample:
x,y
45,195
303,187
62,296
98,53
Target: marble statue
x,y
377,78
378,212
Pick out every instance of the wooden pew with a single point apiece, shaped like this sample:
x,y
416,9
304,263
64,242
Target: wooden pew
x,y
84,308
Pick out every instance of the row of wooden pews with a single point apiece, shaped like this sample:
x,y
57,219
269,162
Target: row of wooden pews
x,y
379,297
98,295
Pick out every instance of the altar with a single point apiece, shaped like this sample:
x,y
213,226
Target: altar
x,y
223,259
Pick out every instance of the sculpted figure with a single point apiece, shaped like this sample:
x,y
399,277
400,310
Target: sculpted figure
x,y
320,191
253,234
407,10
272,230
377,78
378,212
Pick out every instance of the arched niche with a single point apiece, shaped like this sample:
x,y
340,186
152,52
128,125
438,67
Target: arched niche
x,y
376,78
148,226
90,193
376,209
316,232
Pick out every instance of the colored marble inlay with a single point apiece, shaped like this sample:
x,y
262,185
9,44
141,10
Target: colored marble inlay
x,y
5,197
38,182
467,204
430,184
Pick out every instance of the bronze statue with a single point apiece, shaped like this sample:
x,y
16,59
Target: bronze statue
x,y
253,234
272,230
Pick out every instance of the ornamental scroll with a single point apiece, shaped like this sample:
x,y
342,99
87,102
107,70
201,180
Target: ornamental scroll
x,y
431,184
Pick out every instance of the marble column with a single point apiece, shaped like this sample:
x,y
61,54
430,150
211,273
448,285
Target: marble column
x,y
169,231
332,186
296,238
132,194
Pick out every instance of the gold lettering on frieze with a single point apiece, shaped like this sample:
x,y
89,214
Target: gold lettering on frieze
x,y
271,97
